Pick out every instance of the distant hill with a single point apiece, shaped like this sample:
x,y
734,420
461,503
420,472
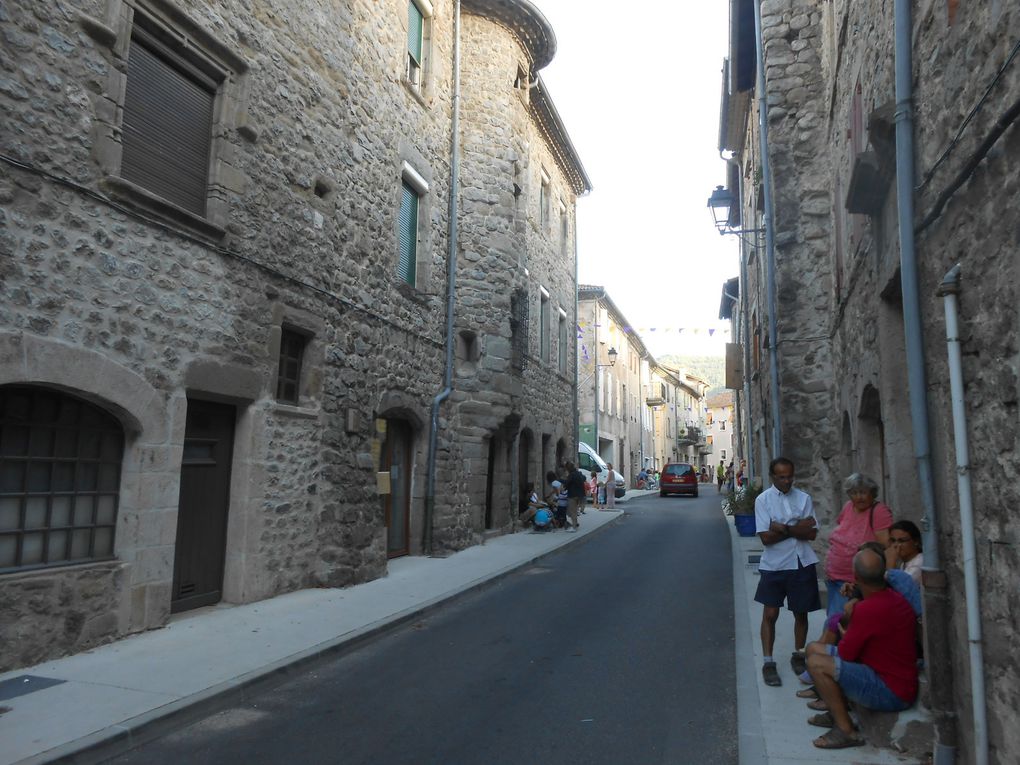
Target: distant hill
x,y
711,369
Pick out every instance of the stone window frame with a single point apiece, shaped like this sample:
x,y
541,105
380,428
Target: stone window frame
x,y
421,183
563,342
544,325
190,41
286,318
421,88
564,226
544,198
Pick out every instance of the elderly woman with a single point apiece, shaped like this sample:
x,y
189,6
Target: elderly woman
x,y
862,519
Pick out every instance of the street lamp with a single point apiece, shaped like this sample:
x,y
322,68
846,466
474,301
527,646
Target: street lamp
x,y
612,354
720,203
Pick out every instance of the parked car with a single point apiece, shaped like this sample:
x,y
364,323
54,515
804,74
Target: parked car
x,y
678,478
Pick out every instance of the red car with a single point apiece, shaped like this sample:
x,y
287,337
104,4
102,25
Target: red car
x,y
678,478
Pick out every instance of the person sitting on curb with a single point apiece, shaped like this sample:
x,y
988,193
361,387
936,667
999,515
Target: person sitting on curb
x,y
530,505
836,624
875,664
905,546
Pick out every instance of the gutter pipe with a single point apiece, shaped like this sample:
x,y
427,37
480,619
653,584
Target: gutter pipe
x,y
770,236
949,290
936,606
451,292
745,325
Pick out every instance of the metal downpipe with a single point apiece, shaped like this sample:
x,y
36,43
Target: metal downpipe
x,y
770,236
936,596
451,292
949,290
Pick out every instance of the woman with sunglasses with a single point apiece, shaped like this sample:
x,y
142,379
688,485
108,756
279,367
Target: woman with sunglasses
x,y
905,541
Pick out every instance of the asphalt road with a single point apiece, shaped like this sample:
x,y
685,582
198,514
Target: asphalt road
x,y
616,650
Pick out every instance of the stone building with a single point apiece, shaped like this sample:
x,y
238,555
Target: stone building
x,y
612,363
720,426
858,392
226,232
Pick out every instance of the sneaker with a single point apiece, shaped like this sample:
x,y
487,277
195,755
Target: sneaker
x,y
771,674
798,663
571,529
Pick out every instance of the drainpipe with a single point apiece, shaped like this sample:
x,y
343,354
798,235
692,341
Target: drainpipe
x,y
576,330
770,236
936,601
595,355
451,292
949,289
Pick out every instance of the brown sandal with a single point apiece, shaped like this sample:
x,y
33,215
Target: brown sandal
x,y
808,693
818,705
822,720
837,739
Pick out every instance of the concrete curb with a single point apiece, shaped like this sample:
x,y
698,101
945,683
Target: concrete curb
x,y
122,737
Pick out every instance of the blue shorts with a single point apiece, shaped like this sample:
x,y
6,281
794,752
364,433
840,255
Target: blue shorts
x,y
798,587
862,685
836,599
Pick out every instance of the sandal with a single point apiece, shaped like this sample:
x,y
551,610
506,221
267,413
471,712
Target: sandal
x,y
807,693
822,720
771,674
837,739
819,705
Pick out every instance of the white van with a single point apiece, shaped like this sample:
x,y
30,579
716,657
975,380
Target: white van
x,y
589,461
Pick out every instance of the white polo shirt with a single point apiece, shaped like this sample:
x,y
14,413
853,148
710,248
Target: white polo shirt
x,y
773,505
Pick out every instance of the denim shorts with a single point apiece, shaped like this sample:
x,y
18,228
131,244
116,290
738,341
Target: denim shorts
x,y
836,600
862,684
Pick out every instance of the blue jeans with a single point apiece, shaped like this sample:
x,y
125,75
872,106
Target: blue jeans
x,y
836,600
862,684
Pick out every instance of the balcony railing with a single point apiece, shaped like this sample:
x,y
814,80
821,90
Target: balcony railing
x,y
690,436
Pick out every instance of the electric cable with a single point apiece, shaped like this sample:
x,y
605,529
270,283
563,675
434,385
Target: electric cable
x,y
125,210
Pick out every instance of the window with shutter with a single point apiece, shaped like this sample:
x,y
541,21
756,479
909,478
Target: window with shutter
x,y
408,255
288,377
415,42
167,124
544,328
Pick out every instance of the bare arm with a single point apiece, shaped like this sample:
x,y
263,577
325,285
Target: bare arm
x,y
805,529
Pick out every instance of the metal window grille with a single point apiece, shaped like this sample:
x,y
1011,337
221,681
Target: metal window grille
x,y
167,125
288,378
60,461
519,330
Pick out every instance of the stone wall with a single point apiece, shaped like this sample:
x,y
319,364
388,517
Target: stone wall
x,y
138,311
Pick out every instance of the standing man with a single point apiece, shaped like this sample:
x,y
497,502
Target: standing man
x,y
575,486
720,476
785,521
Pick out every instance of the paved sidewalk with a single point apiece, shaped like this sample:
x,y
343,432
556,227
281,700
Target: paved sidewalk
x,y
105,700
772,722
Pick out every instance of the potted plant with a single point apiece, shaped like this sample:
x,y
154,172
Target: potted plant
x,y
740,504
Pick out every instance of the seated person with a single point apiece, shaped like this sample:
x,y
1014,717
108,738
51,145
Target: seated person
x,y
557,499
642,479
530,505
543,519
875,664
905,546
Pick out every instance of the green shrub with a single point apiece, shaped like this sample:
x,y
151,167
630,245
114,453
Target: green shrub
x,y
741,501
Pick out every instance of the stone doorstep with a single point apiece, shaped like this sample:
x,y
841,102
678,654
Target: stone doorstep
x,y
909,732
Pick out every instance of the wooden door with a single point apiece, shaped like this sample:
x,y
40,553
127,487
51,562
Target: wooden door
x,y
203,504
396,458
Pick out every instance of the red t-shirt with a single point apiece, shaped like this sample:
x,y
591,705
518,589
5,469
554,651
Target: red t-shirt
x,y
883,635
853,529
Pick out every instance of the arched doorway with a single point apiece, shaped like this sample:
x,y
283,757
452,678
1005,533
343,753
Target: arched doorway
x,y
870,452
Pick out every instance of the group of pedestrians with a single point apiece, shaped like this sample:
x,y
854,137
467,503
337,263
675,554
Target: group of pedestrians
x,y
564,500
868,651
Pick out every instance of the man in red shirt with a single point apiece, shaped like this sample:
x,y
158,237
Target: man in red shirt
x,y
875,664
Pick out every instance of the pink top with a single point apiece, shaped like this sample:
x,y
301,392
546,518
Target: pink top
x,y
853,530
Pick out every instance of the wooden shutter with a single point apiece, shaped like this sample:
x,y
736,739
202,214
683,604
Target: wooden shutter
x,y
408,234
415,30
167,128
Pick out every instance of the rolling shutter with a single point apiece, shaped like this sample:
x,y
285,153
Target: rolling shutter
x,y
167,129
415,28
408,234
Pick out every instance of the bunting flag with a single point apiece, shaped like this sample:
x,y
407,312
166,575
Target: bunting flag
x,y
710,331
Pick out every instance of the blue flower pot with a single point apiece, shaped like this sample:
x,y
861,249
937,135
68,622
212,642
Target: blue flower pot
x,y
744,524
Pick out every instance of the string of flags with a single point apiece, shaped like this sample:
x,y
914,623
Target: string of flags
x,y
710,331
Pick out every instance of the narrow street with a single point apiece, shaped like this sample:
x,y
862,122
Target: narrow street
x,y
618,649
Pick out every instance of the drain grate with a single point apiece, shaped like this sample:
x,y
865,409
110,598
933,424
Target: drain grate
x,y
25,684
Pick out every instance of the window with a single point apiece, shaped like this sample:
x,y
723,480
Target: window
x,y
60,463
709,441
413,188
544,326
288,376
564,227
167,124
519,330
563,345
543,199
722,424
722,454
419,15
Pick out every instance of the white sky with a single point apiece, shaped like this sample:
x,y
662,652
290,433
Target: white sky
x,y
637,85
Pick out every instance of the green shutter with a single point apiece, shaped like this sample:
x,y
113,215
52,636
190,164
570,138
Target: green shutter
x,y
408,234
415,28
